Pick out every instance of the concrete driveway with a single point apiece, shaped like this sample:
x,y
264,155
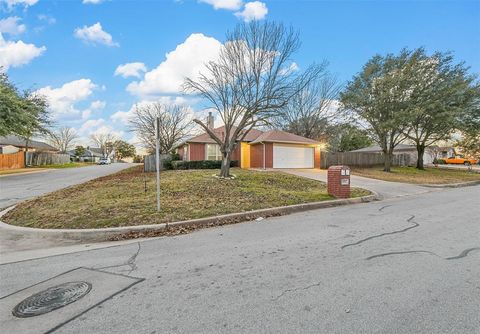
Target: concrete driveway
x,y
384,188
404,265
19,187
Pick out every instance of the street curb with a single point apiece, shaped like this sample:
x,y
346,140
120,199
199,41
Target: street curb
x,y
104,234
28,172
452,185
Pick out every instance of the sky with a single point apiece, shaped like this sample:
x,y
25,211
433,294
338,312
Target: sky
x,y
94,60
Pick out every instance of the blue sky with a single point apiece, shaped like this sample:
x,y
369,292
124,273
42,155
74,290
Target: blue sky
x,y
70,50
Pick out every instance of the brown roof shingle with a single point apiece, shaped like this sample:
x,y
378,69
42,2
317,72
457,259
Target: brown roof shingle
x,y
278,136
205,137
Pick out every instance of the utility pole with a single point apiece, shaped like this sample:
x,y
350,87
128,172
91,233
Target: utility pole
x,y
157,159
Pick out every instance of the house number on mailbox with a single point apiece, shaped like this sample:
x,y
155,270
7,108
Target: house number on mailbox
x,y
344,182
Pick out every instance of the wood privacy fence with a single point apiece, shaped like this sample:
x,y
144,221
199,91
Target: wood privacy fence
x,y
13,160
46,158
149,162
360,159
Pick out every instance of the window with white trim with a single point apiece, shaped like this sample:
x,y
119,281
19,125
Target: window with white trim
x,y
213,152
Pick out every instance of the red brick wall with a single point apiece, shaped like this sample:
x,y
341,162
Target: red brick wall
x,y
256,155
236,154
197,151
334,186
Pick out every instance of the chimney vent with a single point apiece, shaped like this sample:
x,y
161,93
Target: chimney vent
x,y
210,120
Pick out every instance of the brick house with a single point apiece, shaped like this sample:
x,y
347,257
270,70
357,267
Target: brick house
x,y
259,149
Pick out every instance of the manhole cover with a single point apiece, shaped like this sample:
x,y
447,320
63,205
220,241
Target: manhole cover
x,y
51,299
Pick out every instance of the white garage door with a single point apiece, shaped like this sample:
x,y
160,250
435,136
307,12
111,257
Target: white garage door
x,y
292,156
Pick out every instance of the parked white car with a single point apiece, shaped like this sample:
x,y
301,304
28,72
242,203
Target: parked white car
x,y
104,161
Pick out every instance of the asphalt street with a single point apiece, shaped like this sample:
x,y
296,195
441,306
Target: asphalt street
x,y
409,264
19,187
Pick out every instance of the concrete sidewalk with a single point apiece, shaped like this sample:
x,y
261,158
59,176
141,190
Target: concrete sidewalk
x,y
384,188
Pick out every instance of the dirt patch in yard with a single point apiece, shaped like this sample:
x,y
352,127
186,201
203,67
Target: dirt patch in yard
x,y
128,198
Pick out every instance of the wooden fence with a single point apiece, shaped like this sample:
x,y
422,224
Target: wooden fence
x,y
46,158
360,159
13,160
149,162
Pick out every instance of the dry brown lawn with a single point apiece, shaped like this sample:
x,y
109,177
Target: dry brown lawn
x,y
128,198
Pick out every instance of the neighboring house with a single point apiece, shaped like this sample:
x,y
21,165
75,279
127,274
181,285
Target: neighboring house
x,y
411,150
92,154
444,152
21,144
8,149
258,149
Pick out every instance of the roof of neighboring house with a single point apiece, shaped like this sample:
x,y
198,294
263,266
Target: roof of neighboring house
x,y
445,148
21,142
376,148
220,131
89,152
278,136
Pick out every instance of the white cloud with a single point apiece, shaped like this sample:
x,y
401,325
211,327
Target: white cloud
x,y
293,67
254,10
92,2
90,126
224,4
131,70
121,116
62,100
12,3
46,18
15,54
124,116
95,126
187,60
11,25
97,105
95,35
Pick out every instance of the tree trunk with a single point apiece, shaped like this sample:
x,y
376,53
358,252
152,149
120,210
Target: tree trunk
x,y
225,169
388,162
420,153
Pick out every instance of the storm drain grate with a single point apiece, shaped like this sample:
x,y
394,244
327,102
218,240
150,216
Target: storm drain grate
x,y
51,299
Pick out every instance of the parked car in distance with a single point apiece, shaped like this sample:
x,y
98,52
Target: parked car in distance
x,y
104,161
459,160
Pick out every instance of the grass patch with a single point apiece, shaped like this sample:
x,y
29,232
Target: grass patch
x,y
121,200
67,165
416,176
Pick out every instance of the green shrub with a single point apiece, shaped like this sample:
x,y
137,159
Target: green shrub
x,y
200,164
167,162
441,162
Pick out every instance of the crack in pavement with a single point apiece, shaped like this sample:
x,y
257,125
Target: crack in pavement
x,y
396,253
409,220
296,289
460,256
384,207
463,254
131,262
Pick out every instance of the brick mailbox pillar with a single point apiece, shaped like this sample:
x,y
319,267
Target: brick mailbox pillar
x,y
338,181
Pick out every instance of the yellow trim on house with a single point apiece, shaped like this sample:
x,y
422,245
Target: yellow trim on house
x,y
245,155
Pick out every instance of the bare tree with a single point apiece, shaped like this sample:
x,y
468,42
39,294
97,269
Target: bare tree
x,y
105,141
62,139
309,111
249,82
175,125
